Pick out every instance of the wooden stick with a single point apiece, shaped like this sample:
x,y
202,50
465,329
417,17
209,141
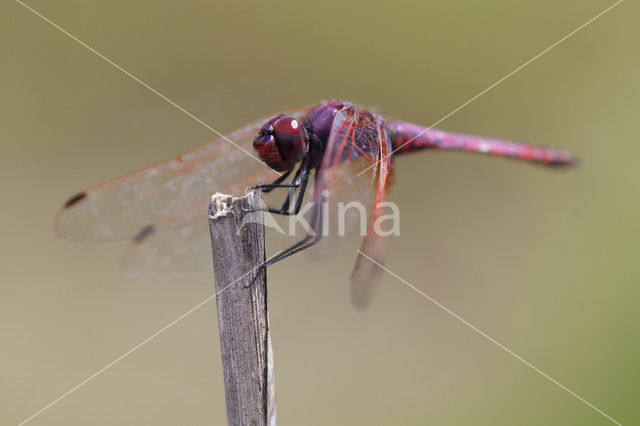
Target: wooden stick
x,y
237,240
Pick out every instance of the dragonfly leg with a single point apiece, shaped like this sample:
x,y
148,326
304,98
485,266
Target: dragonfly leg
x,y
296,209
303,244
306,242
301,179
275,184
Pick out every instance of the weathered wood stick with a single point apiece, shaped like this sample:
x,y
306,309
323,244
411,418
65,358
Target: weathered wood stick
x,y
237,240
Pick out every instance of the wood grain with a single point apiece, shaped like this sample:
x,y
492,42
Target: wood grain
x,y
237,241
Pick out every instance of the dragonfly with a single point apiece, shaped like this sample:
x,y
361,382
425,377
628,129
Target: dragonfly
x,y
334,151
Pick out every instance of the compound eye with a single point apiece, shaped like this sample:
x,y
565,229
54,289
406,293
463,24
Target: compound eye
x,y
291,139
265,144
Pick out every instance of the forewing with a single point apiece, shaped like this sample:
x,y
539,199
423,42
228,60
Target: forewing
x,y
126,206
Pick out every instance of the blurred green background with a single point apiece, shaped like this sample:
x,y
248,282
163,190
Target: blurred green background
x,y
545,262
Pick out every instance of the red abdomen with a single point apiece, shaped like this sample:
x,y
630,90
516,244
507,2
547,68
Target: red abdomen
x,y
407,137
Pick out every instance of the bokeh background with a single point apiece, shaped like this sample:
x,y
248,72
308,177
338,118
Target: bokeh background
x,y
546,262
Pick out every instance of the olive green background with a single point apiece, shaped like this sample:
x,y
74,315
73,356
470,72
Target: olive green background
x,y
544,261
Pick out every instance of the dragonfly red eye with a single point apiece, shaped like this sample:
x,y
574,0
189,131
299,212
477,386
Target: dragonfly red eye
x,y
281,142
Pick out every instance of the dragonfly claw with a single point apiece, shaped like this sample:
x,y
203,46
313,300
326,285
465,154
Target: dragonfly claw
x,y
255,277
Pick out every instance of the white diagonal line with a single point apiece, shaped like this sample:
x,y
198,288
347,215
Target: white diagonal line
x,y
121,357
116,360
142,83
500,345
498,82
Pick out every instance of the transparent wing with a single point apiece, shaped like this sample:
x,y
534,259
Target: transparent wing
x,y
131,205
178,243
371,255
344,196
357,140
175,251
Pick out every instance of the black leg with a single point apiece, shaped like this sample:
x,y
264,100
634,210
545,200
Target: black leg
x,y
275,184
306,242
300,180
303,189
284,210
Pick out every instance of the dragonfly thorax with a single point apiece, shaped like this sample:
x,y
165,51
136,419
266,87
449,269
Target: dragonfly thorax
x,y
281,142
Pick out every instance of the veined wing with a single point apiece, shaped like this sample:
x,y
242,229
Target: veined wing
x,y
371,255
128,206
179,243
176,244
346,197
357,140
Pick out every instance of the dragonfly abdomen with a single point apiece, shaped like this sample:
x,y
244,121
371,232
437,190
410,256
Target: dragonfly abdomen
x,y
407,137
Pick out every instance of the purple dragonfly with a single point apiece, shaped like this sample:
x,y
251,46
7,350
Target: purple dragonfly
x,y
346,152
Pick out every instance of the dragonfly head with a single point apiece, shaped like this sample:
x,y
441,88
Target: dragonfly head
x,y
281,142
